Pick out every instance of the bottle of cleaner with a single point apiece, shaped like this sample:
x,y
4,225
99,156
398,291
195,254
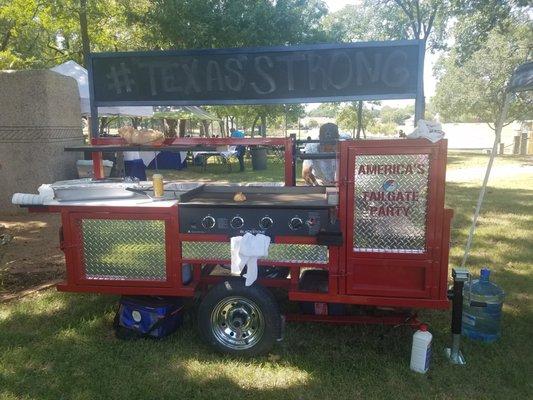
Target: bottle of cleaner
x,y
421,349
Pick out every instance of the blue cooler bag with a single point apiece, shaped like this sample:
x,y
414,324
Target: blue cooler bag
x,y
147,317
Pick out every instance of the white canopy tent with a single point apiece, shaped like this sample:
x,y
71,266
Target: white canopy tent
x,y
76,71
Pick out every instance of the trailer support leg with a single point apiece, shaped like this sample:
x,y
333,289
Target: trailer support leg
x,y
460,276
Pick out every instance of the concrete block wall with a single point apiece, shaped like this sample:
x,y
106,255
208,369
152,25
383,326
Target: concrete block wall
x,y
39,116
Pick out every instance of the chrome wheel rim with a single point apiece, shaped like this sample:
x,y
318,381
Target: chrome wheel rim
x,y
237,323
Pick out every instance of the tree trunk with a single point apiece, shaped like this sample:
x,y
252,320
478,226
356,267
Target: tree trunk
x,y
5,40
104,122
221,126
254,124
84,31
182,127
285,127
135,122
206,124
359,118
171,125
263,126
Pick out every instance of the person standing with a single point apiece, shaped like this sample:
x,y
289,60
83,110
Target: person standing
x,y
240,149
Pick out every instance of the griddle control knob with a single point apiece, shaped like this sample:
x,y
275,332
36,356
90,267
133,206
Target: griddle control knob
x,y
236,222
208,222
266,222
296,223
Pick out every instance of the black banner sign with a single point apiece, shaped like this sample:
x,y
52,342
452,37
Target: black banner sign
x,y
313,73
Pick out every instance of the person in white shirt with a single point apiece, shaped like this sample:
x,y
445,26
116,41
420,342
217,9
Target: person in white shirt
x,y
321,172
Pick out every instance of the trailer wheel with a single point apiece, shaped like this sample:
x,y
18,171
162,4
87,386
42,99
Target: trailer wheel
x,y
239,320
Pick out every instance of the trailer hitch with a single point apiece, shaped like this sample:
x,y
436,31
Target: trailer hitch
x,y
460,276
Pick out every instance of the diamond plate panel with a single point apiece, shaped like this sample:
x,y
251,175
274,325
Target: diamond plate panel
x,y
281,252
390,210
124,249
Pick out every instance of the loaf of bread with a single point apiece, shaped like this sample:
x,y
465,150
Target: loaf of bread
x,y
239,197
144,136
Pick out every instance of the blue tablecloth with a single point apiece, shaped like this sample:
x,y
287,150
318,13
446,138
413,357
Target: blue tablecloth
x,y
135,169
168,160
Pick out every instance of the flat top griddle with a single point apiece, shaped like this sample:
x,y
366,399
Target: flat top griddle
x,y
274,197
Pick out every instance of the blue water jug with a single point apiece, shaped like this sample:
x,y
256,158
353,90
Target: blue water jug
x,y
482,308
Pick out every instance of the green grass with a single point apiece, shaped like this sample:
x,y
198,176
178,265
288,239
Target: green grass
x,y
61,346
218,172
463,159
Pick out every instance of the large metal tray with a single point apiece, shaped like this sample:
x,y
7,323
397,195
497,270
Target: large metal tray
x,y
88,189
256,196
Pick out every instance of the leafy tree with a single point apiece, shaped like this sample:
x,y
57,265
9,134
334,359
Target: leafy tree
x,y
256,116
477,18
227,23
349,117
313,123
39,34
379,128
23,37
391,19
475,89
329,110
395,115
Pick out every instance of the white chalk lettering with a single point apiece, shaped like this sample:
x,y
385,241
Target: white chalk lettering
x,y
214,76
168,78
365,70
264,75
340,57
190,71
394,72
316,71
234,67
289,61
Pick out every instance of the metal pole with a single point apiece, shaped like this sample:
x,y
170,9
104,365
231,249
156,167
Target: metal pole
x,y
293,159
460,276
419,101
497,138
285,107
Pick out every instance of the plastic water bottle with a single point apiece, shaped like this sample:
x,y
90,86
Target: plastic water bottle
x,y
482,309
421,349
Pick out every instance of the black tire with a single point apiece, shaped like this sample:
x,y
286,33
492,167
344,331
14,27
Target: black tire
x,y
239,320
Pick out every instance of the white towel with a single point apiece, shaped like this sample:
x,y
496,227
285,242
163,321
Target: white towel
x,y
245,250
430,130
45,196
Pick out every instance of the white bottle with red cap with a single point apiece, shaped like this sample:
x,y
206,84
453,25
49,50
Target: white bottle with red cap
x,y
421,349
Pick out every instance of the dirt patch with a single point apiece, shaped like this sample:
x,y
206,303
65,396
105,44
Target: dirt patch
x,y
32,258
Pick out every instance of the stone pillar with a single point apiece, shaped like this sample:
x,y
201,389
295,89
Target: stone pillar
x,y
516,145
523,143
39,116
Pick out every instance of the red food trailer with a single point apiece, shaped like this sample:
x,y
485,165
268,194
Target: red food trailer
x,y
376,242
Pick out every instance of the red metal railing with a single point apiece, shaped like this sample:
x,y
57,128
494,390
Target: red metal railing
x,y
287,143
